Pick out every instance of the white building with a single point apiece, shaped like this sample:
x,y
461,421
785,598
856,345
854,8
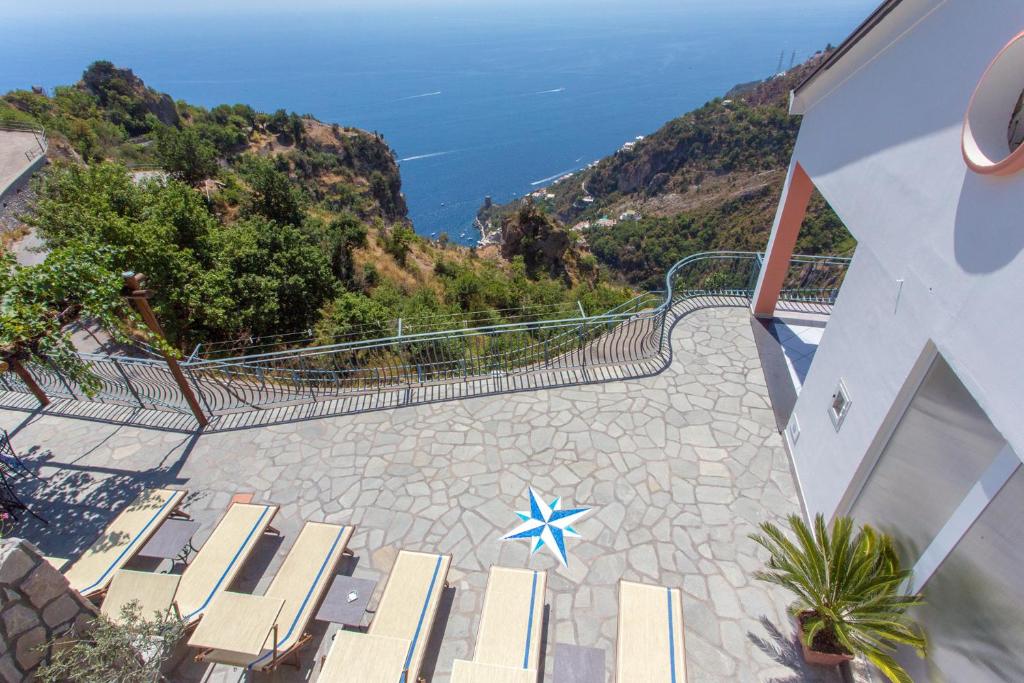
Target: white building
x,y
910,416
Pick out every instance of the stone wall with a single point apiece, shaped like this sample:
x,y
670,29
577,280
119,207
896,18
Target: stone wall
x,y
36,606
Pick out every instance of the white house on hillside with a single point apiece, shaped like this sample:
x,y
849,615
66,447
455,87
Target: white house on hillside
x,y
911,416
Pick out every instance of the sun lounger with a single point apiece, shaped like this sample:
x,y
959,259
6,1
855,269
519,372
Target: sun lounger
x,y
213,569
650,640
509,639
392,649
154,593
92,572
260,631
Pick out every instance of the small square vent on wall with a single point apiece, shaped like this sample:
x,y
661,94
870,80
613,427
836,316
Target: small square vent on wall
x,y
840,405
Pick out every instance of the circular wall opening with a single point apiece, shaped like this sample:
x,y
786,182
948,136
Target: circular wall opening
x,y
1015,131
994,125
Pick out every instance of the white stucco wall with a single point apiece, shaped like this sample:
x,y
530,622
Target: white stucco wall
x,y
883,146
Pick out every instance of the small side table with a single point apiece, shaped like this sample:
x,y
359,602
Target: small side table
x,y
337,609
172,541
576,664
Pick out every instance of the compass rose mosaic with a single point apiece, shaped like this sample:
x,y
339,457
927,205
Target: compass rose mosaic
x,y
547,525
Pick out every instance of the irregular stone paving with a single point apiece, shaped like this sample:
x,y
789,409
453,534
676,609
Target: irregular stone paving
x,y
680,467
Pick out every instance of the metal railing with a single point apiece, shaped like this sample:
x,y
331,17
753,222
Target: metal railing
x,y
631,338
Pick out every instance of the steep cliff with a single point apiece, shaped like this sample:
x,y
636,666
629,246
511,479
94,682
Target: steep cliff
x,y
709,179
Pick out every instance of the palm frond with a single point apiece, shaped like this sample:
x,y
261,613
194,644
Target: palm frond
x,y
847,583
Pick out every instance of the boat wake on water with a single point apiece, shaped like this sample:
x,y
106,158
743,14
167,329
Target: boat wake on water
x,y
416,97
552,177
428,156
548,92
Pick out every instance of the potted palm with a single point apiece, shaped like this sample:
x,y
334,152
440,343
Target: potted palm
x,y
849,591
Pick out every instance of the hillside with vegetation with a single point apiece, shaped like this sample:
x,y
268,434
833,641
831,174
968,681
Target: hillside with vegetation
x,y
270,225
710,179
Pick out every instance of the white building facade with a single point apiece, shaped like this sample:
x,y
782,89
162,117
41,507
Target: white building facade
x,y
911,416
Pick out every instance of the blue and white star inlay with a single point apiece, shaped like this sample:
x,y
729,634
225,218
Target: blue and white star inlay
x,y
548,525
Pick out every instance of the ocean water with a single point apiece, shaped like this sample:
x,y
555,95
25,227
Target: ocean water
x,y
476,101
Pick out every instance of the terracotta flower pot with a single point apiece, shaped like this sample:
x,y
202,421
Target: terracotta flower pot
x,y
813,656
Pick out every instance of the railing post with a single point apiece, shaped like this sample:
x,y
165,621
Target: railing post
x,y
199,389
140,297
583,355
312,381
63,381
127,382
755,272
30,381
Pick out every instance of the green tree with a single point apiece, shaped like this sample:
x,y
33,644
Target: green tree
x,y
270,278
38,302
160,229
273,195
185,155
341,236
398,240
352,316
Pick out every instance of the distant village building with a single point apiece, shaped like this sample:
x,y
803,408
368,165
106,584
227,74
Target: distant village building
x,y
581,226
630,215
605,222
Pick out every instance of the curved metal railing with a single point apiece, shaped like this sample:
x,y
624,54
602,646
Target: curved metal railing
x,y
630,339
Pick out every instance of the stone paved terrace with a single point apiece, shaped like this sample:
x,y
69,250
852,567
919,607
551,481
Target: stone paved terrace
x,y
680,468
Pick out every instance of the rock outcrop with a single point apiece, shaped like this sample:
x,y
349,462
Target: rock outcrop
x,y
121,89
37,607
543,243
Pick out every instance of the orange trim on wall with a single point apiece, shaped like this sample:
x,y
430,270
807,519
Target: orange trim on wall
x,y
784,233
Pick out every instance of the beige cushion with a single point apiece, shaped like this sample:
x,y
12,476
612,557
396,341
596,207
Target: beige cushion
x,y
365,658
222,556
299,585
153,592
512,618
410,601
650,640
124,537
237,623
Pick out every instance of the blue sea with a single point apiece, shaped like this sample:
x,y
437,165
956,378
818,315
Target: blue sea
x,y
490,100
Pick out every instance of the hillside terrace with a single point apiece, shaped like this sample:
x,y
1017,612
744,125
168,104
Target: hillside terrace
x,y
679,468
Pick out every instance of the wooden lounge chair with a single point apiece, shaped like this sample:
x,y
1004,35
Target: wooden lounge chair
x,y
650,639
509,639
392,649
262,631
213,569
92,572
